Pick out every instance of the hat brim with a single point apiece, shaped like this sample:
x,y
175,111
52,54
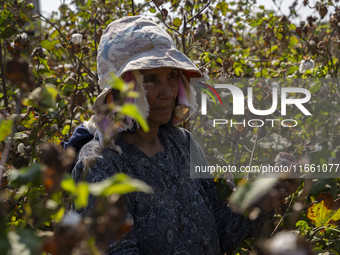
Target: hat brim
x,y
151,59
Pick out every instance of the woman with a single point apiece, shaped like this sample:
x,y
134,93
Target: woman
x,y
183,215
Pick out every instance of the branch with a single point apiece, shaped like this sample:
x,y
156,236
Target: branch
x,y
277,226
199,12
164,21
133,8
183,34
81,62
140,8
253,151
49,22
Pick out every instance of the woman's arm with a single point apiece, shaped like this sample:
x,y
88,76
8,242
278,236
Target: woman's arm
x,y
232,228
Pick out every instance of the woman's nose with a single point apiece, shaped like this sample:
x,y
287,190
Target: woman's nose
x,y
166,91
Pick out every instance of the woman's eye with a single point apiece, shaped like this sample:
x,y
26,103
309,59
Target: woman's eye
x,y
172,75
150,81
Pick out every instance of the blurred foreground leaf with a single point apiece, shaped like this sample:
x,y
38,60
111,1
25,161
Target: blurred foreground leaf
x,y
247,194
118,184
31,174
132,110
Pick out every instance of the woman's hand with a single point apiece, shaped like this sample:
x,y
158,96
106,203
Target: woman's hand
x,y
284,188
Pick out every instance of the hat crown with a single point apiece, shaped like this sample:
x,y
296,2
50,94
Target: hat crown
x,y
127,37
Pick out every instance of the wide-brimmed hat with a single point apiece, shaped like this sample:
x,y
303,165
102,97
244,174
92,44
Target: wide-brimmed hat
x,y
136,43
127,46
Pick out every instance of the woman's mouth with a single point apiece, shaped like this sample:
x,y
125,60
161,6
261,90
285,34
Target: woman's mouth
x,y
163,109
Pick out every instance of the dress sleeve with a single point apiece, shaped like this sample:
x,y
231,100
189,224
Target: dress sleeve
x,y
101,170
232,228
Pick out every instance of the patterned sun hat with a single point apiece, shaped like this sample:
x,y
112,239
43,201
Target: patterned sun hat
x,y
135,43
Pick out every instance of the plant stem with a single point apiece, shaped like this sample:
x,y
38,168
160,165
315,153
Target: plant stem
x,y
278,224
4,88
35,136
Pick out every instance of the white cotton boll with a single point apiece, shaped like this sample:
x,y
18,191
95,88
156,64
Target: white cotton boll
x,y
205,77
309,64
23,36
12,44
339,24
318,147
312,43
302,68
68,66
70,220
275,62
76,38
21,148
250,64
306,65
284,241
275,84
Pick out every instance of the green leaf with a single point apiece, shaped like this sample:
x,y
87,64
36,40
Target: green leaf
x,y
59,215
117,83
44,96
44,62
118,184
31,174
69,185
223,6
238,71
66,129
293,41
48,45
278,35
8,32
273,48
315,88
256,23
82,195
5,128
324,211
26,239
292,69
20,135
292,27
133,111
152,10
177,22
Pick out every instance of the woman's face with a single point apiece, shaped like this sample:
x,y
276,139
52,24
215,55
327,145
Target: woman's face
x,y
161,87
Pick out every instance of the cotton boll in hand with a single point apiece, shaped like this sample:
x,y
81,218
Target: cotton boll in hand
x,y
76,39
